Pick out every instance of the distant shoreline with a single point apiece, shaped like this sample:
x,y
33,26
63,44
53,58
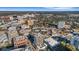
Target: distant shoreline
x,y
3,13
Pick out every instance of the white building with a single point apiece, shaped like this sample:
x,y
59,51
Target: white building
x,y
61,24
51,42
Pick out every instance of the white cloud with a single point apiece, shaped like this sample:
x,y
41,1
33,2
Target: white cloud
x,y
63,8
59,8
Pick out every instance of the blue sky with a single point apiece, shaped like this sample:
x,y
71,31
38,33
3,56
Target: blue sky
x,y
39,8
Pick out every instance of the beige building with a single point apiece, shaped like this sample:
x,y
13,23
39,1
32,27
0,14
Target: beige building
x,y
30,22
12,32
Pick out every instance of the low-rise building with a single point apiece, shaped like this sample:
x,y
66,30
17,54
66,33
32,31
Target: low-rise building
x,y
12,32
51,43
75,42
3,39
30,22
3,36
21,41
61,24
